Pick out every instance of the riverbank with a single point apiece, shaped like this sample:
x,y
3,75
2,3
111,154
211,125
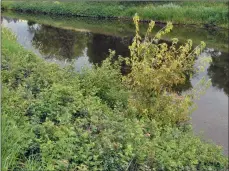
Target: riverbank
x,y
207,14
56,119
217,39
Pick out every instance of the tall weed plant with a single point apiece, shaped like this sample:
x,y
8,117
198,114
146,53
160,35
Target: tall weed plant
x,y
155,69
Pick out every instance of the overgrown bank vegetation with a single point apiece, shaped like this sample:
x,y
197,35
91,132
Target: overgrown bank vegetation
x,y
210,13
56,119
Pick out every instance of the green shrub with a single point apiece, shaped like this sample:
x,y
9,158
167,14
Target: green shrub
x,y
57,119
99,83
155,69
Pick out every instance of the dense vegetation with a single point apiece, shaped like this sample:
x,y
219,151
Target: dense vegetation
x,y
211,13
56,119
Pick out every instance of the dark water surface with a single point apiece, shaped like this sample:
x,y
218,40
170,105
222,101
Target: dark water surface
x,y
86,42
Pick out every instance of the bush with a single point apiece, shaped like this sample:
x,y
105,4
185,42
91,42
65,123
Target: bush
x,y
57,119
155,69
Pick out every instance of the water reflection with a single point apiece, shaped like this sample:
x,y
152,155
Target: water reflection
x,y
218,71
59,43
9,19
65,45
99,45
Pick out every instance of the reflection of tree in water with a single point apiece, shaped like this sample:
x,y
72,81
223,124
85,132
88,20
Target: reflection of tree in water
x,y
31,23
98,48
67,44
218,71
31,27
216,35
15,20
8,19
60,43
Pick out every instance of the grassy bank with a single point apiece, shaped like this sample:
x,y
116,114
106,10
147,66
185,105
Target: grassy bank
x,y
56,119
210,13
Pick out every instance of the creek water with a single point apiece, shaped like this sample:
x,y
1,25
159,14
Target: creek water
x,y
85,42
